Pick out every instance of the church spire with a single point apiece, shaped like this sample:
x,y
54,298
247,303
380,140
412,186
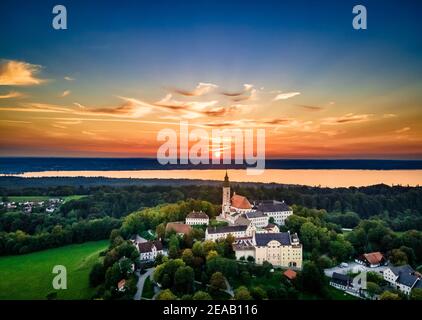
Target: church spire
x,y
226,180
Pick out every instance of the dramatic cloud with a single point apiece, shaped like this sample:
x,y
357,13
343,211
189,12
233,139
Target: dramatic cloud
x,y
402,130
348,118
130,108
169,102
65,93
12,94
18,73
286,95
201,89
310,108
253,123
248,93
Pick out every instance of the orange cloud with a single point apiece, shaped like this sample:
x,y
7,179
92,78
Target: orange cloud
x,y
348,118
402,130
286,95
310,108
19,73
201,89
12,94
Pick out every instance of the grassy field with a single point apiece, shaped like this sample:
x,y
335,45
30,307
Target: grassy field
x,y
27,198
41,198
148,291
336,294
30,276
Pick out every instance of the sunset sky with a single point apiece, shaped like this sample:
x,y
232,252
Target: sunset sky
x,y
120,73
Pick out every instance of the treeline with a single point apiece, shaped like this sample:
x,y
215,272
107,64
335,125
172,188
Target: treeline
x,y
399,206
20,242
325,243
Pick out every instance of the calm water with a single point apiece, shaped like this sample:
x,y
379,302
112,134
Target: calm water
x,y
325,178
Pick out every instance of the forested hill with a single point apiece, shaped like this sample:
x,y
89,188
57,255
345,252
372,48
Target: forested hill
x,y
399,205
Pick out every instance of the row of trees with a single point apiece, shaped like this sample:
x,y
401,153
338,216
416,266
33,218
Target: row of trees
x,y
398,205
20,242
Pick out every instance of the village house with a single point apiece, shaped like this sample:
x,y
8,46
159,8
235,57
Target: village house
x,y
197,218
290,274
403,278
121,285
372,260
149,250
341,281
179,228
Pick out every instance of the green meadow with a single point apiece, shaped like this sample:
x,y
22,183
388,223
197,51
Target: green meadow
x,y
42,198
30,276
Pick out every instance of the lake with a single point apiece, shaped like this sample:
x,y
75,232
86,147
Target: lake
x,y
311,177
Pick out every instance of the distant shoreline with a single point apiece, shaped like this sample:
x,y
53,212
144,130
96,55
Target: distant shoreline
x,y
19,165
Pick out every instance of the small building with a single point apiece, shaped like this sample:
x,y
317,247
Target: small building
x,y
149,250
179,227
290,274
121,285
197,218
403,278
137,239
372,259
244,248
341,281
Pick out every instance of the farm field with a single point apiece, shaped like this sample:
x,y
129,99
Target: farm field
x,y
30,276
42,198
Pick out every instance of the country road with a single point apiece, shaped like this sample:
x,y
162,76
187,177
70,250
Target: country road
x,y
141,282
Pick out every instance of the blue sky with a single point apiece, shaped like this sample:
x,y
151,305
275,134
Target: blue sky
x,y
141,48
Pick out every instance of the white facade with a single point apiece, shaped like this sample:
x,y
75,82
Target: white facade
x,y
235,231
279,216
402,278
197,221
389,276
259,221
149,251
278,253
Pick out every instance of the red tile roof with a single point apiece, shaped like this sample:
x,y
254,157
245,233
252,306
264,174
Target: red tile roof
x,y
240,202
374,257
178,227
121,284
197,215
290,274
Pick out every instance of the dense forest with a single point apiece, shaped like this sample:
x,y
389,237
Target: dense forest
x,y
103,207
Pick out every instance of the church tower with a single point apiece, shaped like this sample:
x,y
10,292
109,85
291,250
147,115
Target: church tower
x,y
225,207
